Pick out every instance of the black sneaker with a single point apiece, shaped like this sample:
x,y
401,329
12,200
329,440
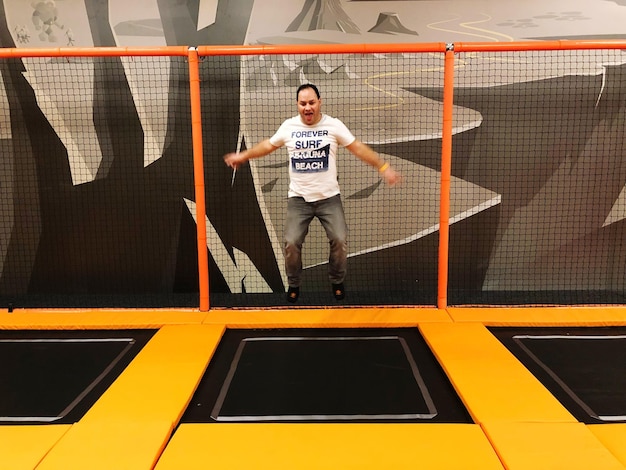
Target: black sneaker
x,y
292,294
339,291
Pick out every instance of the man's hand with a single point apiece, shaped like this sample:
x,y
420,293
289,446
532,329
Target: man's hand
x,y
391,176
235,159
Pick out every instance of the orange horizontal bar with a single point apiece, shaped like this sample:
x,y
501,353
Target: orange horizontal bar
x,y
561,44
94,51
312,48
321,49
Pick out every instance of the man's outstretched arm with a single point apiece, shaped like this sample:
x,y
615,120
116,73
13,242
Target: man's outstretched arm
x,y
236,159
366,154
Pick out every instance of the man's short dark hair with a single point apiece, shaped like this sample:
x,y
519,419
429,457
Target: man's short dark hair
x,y
304,87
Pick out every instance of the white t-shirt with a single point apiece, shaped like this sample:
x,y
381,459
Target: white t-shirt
x,y
312,155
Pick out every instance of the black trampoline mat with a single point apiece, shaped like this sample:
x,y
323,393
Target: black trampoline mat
x,y
583,367
55,376
333,375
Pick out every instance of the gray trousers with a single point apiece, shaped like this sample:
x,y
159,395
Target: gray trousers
x,y
299,216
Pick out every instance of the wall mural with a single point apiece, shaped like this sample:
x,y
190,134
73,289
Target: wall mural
x,y
67,228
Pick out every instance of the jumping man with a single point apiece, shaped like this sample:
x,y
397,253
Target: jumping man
x,y
312,139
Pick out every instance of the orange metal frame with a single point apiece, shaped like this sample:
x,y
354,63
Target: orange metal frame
x,y
446,172
194,53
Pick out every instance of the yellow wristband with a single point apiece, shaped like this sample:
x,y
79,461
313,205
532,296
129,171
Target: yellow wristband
x,y
384,167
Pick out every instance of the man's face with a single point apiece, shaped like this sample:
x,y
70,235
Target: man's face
x,y
309,106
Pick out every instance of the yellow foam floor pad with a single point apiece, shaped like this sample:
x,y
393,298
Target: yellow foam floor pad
x,y
130,425
535,316
546,446
78,319
613,436
109,444
491,382
327,318
131,422
23,447
326,446
32,319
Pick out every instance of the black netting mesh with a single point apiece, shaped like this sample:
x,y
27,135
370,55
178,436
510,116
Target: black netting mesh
x,y
97,195
96,166
393,230
539,144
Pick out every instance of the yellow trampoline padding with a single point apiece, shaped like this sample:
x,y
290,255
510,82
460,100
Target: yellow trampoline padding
x,y
327,317
111,444
160,381
547,446
23,447
76,319
537,316
613,437
329,446
131,422
492,383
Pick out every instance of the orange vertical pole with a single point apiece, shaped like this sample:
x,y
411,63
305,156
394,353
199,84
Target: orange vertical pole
x,y
446,171
198,176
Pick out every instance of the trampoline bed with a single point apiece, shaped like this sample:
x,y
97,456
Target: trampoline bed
x,y
582,367
324,375
55,376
